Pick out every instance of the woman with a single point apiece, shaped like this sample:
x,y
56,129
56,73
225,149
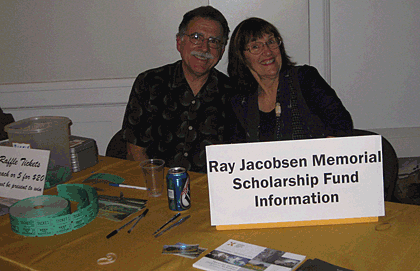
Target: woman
x,y
274,99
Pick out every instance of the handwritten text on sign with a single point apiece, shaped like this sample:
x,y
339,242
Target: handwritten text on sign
x,y
295,180
22,172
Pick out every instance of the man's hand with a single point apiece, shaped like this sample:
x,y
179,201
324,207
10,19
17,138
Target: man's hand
x,y
136,153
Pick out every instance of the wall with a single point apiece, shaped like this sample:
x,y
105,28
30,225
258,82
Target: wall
x,y
367,50
50,40
95,107
374,64
79,58
59,45
374,60
290,17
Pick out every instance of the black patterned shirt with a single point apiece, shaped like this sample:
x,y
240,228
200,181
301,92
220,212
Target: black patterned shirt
x,y
165,117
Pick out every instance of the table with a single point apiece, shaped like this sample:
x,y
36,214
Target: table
x,y
391,244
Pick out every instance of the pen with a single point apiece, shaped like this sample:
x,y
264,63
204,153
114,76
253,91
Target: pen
x,y
138,219
173,225
128,186
169,221
126,224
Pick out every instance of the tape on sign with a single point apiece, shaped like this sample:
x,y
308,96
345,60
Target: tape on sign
x,y
51,215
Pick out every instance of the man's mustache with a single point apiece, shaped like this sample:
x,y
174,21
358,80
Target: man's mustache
x,y
202,55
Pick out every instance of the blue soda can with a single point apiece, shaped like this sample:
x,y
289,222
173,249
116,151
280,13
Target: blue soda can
x,y
178,183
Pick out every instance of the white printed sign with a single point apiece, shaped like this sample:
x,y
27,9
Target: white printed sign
x,y
302,180
22,172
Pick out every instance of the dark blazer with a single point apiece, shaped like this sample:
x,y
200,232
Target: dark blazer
x,y
322,112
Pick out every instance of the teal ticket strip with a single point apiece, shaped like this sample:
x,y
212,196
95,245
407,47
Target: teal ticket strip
x,y
107,177
51,215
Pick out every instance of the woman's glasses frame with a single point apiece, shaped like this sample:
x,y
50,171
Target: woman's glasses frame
x,y
256,47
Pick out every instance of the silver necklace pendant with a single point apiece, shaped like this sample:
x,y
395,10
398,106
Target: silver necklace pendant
x,y
278,109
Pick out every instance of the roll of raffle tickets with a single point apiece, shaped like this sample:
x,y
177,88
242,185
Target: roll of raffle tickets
x,y
51,215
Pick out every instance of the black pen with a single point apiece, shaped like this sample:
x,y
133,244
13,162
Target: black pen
x,y
138,219
123,226
182,220
169,221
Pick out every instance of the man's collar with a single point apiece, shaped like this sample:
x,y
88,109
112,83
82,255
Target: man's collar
x,y
179,80
178,77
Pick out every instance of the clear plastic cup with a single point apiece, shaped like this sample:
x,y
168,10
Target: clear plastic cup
x,y
153,171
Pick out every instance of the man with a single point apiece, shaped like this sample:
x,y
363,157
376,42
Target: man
x,y
176,110
4,120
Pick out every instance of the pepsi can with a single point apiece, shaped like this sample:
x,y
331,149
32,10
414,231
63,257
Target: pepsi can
x,y
178,183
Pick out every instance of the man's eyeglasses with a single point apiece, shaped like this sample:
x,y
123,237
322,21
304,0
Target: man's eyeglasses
x,y
256,47
198,39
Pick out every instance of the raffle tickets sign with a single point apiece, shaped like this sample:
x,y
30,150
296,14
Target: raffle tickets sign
x,y
22,172
289,181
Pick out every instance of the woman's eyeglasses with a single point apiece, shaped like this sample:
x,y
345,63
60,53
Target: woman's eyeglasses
x,y
256,47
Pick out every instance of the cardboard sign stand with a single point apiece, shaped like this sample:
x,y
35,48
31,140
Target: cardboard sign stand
x,y
298,223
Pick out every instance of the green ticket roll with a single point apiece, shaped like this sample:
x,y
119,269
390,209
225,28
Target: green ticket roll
x,y
51,215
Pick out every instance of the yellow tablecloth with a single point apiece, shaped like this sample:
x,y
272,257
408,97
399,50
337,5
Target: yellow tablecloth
x,y
370,246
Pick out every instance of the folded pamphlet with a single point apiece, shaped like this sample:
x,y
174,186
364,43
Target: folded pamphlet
x,y
235,255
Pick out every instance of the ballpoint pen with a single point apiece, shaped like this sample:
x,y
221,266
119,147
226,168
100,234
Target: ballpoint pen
x,y
126,224
173,225
127,186
138,219
169,221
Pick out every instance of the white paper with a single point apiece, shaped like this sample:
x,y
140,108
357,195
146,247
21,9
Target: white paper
x,y
298,180
22,172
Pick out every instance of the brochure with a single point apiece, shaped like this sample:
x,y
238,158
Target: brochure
x,y
235,255
116,211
